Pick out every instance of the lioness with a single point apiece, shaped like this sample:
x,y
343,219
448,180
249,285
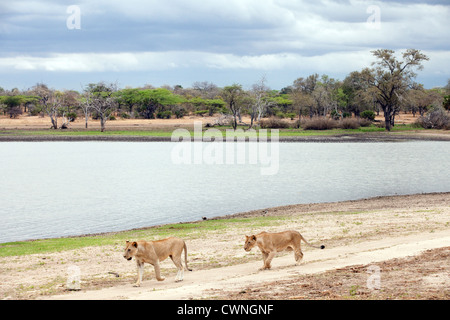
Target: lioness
x,y
153,252
271,243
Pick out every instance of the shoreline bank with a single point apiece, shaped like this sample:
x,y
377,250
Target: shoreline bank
x,y
339,138
374,203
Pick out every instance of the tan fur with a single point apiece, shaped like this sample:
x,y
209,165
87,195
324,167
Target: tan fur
x,y
271,243
153,252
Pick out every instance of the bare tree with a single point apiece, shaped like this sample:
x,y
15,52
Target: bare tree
x,y
103,100
50,100
86,105
207,90
261,100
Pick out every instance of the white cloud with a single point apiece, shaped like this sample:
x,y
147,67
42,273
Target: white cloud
x,y
148,61
324,36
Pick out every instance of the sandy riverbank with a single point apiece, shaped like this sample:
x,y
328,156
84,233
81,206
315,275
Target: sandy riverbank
x,y
356,233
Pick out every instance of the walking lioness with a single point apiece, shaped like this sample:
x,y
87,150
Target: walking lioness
x,y
271,243
153,252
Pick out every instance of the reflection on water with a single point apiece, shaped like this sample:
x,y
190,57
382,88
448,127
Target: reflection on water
x,y
52,189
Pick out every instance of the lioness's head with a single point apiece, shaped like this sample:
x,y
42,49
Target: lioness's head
x,y
130,250
250,242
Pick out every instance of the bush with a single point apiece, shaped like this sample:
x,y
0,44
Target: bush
x,y
346,115
365,123
318,124
436,118
164,114
368,114
125,115
291,115
201,112
72,116
280,114
349,123
179,113
273,123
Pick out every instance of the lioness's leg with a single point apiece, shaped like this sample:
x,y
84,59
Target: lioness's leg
x,y
268,260
158,271
179,265
140,271
298,255
265,255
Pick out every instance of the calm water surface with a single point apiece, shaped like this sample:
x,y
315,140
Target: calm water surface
x,y
52,189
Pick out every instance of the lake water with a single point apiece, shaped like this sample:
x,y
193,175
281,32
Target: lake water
x,y
53,189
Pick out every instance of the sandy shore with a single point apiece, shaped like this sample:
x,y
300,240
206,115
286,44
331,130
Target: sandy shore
x,y
389,232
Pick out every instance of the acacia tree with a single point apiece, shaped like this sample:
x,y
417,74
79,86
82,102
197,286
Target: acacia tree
x,y
232,96
13,105
391,79
150,100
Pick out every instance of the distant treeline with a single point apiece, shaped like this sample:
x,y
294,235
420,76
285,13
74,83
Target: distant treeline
x,y
387,86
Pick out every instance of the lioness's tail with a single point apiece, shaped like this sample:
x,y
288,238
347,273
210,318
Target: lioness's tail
x,y
185,257
309,244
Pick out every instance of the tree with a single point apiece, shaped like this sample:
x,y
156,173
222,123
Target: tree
x,y
86,105
446,103
50,100
302,94
207,90
232,96
392,77
13,105
103,100
128,97
261,100
152,99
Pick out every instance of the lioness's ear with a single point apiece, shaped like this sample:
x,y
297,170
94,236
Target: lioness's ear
x,y
135,244
254,238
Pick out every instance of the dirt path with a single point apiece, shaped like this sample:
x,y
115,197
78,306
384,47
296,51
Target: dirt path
x,y
206,283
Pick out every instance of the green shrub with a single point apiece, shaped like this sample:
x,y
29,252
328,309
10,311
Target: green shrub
x,y
125,115
280,114
201,112
72,116
179,113
368,114
291,115
164,114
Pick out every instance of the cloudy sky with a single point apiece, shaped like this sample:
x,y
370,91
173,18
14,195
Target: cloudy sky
x,y
70,43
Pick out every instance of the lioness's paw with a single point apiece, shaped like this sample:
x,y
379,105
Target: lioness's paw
x,y
136,285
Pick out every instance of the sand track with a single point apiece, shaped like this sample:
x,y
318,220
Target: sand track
x,y
202,284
